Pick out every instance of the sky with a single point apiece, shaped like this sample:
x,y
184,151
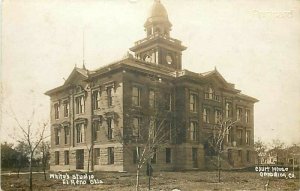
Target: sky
x,y
254,44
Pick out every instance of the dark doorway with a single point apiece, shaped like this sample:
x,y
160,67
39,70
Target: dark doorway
x,y
195,157
80,159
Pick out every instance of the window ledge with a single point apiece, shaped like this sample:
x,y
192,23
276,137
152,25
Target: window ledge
x,y
137,106
212,99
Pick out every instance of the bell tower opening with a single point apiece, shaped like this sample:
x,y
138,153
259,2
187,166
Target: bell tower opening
x,y
158,47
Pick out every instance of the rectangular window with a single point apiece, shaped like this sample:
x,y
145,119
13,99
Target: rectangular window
x,y
56,153
218,116
154,156
168,155
206,115
80,134
136,152
66,154
206,95
240,155
152,128
248,156
239,133
239,114
136,96
166,130
136,126
247,116
217,97
228,136
110,155
168,102
96,156
168,127
56,111
209,93
96,128
79,107
110,128
193,102
57,136
248,136
66,108
96,99
109,96
230,155
67,134
228,109
193,131
152,102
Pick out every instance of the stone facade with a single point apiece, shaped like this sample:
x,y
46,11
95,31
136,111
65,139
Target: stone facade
x,y
93,109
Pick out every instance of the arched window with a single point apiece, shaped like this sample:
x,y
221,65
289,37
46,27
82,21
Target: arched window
x,y
169,58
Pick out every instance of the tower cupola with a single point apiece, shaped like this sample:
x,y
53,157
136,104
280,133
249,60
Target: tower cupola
x,y
158,21
158,47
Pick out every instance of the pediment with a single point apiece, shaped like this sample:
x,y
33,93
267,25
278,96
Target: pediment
x,y
217,80
76,76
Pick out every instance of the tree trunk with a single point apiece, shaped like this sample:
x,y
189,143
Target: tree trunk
x,y
44,169
44,163
30,173
149,175
88,167
137,179
219,168
19,168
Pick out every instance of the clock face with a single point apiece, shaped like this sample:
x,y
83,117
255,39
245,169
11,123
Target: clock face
x,y
147,58
169,59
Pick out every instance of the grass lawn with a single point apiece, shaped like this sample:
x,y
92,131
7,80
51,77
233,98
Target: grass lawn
x,y
185,181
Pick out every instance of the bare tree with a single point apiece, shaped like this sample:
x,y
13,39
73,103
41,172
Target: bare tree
x,y
22,157
146,142
277,147
216,140
31,136
260,149
89,148
45,148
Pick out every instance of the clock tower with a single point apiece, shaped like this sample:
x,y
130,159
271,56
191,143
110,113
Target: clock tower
x,y
158,47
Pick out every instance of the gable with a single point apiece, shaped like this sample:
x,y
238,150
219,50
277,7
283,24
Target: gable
x,y
76,76
216,79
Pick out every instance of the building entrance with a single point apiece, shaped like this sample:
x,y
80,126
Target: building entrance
x,y
80,159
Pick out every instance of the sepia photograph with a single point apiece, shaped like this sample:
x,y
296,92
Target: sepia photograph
x,y
166,95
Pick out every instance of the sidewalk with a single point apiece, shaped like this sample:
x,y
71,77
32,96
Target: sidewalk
x,y
15,173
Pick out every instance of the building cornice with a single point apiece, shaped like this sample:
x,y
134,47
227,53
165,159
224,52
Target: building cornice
x,y
133,64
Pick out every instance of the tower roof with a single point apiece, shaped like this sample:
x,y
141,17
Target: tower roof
x,y
158,14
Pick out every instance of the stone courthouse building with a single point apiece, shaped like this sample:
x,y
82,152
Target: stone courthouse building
x,y
93,107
